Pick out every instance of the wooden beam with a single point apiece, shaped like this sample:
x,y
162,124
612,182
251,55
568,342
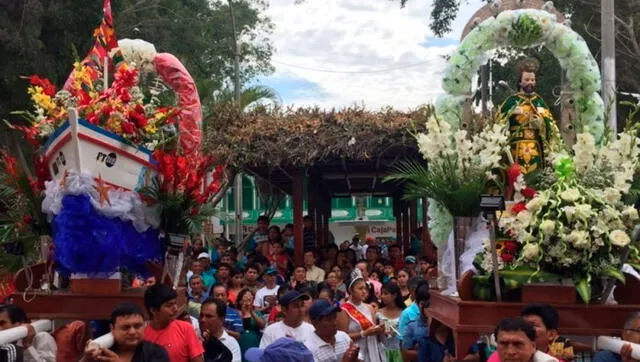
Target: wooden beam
x,y
298,232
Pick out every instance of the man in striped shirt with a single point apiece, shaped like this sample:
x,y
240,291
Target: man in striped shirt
x,y
327,343
232,321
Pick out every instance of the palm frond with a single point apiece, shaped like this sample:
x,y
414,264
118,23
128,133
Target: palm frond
x,y
461,196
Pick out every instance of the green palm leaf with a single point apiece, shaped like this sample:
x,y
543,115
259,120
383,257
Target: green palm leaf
x,y
441,182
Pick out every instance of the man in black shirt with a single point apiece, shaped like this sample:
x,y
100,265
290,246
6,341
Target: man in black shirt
x,y
127,325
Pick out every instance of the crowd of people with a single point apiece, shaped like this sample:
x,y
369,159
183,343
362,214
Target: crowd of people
x,y
349,303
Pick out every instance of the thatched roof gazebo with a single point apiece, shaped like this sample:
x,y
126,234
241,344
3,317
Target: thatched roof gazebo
x,y
320,154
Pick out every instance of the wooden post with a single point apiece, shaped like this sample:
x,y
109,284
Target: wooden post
x,y
327,216
406,232
298,232
312,203
398,215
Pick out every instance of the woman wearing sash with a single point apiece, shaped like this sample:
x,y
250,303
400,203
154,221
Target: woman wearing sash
x,y
357,320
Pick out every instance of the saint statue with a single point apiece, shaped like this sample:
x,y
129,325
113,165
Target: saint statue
x,y
530,120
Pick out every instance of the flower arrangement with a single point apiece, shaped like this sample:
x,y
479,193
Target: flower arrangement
x,y
184,190
459,166
579,228
122,108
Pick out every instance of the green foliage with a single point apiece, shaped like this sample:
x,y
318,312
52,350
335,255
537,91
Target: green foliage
x,y
459,195
525,31
40,37
443,13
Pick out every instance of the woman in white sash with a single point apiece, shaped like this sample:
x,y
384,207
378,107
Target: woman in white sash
x,y
357,320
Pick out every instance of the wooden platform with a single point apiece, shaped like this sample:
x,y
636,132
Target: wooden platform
x,y
74,306
470,319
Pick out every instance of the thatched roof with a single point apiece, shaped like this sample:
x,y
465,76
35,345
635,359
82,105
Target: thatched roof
x,y
307,136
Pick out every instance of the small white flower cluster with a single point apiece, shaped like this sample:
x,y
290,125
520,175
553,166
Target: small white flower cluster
x,y
440,223
619,158
138,53
483,151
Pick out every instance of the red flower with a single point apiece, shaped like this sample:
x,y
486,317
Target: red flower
x,y
517,208
510,245
93,118
507,257
27,219
138,118
125,77
528,192
47,87
124,95
128,127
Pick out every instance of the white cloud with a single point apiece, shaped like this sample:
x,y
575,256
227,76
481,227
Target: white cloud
x,y
360,36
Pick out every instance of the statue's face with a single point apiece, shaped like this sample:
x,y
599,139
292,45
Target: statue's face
x,y
528,82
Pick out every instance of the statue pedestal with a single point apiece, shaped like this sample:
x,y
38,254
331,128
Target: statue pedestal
x,y
469,319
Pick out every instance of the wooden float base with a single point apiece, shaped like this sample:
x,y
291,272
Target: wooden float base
x,y
470,319
67,305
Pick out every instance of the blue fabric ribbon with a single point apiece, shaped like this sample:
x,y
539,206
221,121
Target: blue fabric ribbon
x,y
88,242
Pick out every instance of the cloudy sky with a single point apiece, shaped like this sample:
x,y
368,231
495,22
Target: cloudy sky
x,y
335,53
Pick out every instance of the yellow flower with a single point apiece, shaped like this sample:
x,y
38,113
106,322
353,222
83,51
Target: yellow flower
x,y
160,116
151,128
41,100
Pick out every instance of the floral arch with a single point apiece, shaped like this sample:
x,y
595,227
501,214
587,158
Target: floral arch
x,y
525,28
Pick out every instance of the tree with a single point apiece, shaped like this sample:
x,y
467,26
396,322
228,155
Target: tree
x,y
42,36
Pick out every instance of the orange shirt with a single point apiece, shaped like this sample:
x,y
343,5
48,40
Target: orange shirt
x,y
178,338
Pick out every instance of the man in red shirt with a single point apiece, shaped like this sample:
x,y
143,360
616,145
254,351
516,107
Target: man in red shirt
x,y
177,337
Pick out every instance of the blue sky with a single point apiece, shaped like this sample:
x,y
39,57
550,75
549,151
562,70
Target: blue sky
x,y
335,53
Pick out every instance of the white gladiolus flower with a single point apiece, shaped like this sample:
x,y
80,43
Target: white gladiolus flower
x,y
531,251
570,195
547,227
619,238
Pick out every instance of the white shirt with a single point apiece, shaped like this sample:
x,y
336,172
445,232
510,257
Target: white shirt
x,y
262,294
315,274
43,349
279,330
232,345
324,352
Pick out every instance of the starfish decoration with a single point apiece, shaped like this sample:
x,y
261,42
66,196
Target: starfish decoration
x,y
63,181
103,191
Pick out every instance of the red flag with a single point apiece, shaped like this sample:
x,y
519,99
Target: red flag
x,y
105,42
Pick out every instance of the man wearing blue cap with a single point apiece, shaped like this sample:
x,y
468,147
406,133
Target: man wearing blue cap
x,y
281,350
327,343
266,296
292,325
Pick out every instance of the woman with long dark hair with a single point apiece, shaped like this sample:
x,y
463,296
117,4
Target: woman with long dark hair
x,y
389,316
402,279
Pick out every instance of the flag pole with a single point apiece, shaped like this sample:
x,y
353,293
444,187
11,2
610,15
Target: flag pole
x,y
105,74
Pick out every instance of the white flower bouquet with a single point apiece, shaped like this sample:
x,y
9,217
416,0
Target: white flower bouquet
x,y
458,166
580,228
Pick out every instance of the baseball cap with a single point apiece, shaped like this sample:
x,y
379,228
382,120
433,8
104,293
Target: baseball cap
x,y
204,255
322,308
282,350
271,271
292,296
410,259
